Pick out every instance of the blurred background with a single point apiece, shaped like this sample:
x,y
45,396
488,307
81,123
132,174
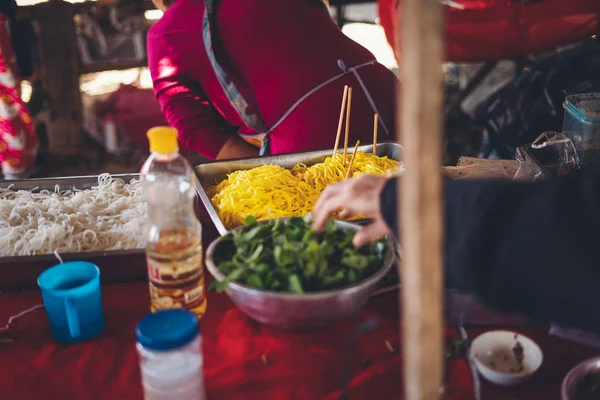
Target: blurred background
x,y
90,93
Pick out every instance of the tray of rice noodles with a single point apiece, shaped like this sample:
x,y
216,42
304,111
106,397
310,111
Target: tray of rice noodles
x,y
286,185
96,218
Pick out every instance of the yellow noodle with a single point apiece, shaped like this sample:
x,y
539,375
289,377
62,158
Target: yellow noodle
x,y
270,191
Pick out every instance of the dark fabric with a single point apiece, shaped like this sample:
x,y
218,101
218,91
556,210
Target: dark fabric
x,y
8,8
23,38
24,41
528,248
389,206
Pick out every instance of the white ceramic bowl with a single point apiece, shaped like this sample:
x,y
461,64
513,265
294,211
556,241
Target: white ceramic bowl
x,y
493,355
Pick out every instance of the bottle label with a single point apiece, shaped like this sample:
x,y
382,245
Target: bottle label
x,y
175,271
154,273
169,289
193,295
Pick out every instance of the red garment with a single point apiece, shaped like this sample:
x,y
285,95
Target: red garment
x,y
133,110
18,140
275,52
498,29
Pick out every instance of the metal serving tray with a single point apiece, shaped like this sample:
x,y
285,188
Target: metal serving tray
x,y
211,173
115,265
64,183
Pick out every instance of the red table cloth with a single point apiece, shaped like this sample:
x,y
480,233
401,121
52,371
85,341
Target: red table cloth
x,y
305,365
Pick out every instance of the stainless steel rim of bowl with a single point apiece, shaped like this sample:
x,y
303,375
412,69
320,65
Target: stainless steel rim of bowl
x,y
370,280
575,375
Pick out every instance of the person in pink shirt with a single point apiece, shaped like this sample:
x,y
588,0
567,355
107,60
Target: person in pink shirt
x,y
236,76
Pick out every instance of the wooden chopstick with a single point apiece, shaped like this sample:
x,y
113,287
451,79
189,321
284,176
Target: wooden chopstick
x,y
375,126
347,124
386,289
339,129
352,159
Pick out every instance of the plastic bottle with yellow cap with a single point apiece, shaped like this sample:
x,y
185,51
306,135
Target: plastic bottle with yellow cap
x,y
173,232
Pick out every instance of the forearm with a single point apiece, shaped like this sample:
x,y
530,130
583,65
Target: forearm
x,y
196,125
235,147
184,104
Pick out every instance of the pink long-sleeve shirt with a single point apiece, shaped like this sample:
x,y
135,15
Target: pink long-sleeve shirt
x,y
275,51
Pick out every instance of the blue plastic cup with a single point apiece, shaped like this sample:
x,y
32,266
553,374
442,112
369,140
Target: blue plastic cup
x,y
71,293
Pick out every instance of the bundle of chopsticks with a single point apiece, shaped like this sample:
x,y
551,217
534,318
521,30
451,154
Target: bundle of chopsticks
x,y
346,107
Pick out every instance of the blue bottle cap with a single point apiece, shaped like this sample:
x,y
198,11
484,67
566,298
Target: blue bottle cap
x,y
167,329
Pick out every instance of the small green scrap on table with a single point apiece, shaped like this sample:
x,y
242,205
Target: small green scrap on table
x,y
288,256
457,349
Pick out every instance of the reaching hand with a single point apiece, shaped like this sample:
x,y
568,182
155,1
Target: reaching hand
x,y
358,196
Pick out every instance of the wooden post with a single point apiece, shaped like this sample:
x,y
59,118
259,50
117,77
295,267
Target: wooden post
x,y
60,76
421,199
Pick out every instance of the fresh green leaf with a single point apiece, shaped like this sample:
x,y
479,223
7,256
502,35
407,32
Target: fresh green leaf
x,y
260,268
254,280
355,261
249,220
287,255
294,284
217,286
351,276
257,252
256,233
236,274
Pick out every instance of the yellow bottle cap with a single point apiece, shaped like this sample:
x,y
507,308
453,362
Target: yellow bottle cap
x,y
163,139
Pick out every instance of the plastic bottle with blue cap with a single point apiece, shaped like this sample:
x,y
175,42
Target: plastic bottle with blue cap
x,y
169,346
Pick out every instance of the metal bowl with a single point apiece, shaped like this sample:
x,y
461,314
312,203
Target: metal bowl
x,y
571,382
301,311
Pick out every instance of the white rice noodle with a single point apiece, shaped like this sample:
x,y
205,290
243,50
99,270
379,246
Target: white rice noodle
x,y
108,216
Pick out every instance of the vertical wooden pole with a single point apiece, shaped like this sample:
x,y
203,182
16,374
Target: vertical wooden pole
x,y
421,199
60,76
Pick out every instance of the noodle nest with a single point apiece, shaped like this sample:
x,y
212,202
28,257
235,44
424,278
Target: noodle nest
x,y
109,216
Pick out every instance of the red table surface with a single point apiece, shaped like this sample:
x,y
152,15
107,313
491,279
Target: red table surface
x,y
304,365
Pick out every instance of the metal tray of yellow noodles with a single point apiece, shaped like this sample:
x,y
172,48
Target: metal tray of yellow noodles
x,y
211,173
115,265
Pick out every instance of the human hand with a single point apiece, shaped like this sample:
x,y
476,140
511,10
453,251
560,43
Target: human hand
x,y
358,196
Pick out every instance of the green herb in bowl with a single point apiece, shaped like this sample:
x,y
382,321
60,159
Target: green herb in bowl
x,y
288,256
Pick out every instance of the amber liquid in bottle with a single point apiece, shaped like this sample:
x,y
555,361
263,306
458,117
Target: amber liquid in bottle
x,y
175,271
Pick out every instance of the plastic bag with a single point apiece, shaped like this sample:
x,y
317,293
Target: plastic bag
x,y
575,335
551,155
532,102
